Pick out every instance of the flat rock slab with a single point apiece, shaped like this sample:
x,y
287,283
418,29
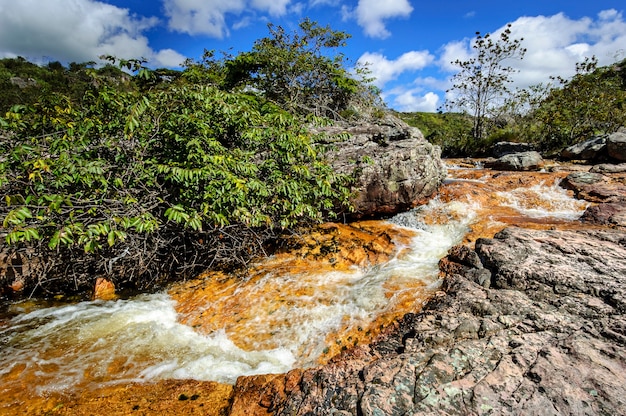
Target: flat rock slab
x,y
548,337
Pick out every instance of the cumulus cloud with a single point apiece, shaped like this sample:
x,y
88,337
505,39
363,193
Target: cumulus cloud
x,y
208,17
76,31
554,45
371,15
384,70
416,100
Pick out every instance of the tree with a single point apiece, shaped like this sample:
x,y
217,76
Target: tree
x,y
300,71
481,84
592,102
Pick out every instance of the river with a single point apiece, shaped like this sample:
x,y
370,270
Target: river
x,y
275,319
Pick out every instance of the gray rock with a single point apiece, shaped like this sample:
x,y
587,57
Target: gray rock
x,y
595,187
616,145
504,148
608,168
517,162
591,149
548,339
394,166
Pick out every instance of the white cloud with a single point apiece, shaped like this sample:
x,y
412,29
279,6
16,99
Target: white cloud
x,y
76,31
273,7
208,17
384,70
371,14
416,100
453,51
554,45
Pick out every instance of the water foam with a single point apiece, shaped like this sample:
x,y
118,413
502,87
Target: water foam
x,y
543,201
142,339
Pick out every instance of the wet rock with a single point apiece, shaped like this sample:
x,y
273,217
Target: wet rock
x,y
548,338
610,214
591,149
595,187
104,289
394,166
616,145
504,148
517,162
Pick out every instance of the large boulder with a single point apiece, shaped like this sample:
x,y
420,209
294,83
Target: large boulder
x,y
592,149
547,338
595,187
616,145
394,167
523,161
505,148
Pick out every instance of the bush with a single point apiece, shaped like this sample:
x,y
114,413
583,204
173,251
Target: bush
x,y
143,187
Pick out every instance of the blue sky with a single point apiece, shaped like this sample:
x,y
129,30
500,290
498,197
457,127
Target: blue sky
x,y
408,44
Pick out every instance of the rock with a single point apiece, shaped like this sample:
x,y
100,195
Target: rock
x,y
104,289
616,145
609,214
594,187
517,161
608,168
548,338
592,149
504,148
394,166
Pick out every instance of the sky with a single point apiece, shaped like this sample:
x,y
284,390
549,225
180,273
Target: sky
x,y
408,45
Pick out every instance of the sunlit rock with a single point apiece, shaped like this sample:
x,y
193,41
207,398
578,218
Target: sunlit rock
x,y
591,149
504,148
517,161
104,289
394,167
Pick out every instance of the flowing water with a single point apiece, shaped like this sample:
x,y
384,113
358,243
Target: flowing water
x,y
270,322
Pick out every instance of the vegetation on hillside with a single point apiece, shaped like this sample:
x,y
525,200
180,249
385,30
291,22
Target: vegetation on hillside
x,y
552,117
158,175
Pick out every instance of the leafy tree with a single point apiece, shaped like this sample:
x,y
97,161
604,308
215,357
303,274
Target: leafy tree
x,y
482,83
301,72
590,103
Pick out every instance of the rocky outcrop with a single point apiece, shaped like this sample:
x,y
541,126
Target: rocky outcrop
x,y
595,187
608,168
504,148
611,146
592,149
616,145
608,214
394,167
523,161
548,337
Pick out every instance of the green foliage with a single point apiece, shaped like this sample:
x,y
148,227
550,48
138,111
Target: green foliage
x,y
164,179
450,131
592,102
482,83
301,72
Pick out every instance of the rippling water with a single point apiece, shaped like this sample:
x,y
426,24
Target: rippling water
x,y
66,347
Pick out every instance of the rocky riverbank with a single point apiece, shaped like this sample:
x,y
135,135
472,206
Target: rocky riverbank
x,y
530,319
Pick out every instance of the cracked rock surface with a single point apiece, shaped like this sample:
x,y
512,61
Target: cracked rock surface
x,y
541,332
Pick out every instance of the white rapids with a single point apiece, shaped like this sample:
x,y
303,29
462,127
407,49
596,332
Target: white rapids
x,y
142,339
